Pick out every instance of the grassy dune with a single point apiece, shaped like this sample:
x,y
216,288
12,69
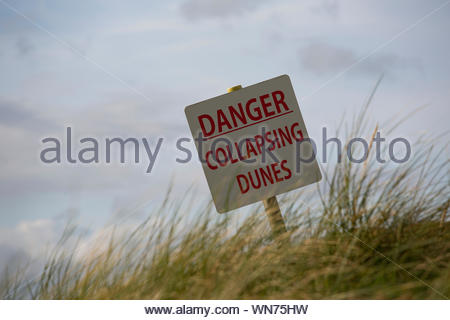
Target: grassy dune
x,y
368,231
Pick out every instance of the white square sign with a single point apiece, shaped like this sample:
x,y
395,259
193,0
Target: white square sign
x,y
253,143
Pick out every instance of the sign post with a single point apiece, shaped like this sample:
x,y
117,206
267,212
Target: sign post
x,y
253,145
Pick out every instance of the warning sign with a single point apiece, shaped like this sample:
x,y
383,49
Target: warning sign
x,y
253,143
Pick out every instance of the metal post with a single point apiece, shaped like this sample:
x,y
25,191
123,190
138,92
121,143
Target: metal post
x,y
271,206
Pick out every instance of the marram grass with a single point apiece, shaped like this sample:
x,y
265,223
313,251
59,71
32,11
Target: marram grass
x,y
368,231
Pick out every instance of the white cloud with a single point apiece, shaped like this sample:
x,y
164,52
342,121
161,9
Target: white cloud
x,y
204,9
28,240
328,7
322,58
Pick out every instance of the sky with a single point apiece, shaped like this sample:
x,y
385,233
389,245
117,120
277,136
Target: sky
x,y
129,68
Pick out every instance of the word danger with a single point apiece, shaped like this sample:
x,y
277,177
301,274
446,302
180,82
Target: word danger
x,y
235,117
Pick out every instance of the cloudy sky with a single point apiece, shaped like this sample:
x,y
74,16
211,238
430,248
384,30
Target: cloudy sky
x,y
128,69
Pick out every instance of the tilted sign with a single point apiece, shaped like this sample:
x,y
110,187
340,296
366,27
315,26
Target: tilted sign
x,y
253,143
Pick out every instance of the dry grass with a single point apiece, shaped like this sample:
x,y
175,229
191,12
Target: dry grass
x,y
373,232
